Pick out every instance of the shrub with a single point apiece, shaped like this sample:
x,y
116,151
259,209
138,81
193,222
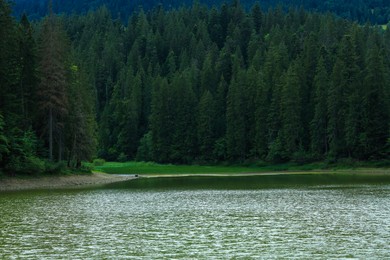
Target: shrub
x,y
99,162
34,165
85,169
302,157
122,157
144,152
55,167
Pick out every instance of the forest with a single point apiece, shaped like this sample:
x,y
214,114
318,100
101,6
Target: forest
x,y
191,85
373,11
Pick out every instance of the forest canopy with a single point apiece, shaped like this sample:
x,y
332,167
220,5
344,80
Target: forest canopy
x,y
373,11
192,85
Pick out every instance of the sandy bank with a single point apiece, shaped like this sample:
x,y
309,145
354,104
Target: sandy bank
x,y
56,182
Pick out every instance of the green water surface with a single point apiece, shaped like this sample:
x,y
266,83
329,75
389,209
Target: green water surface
x,y
254,217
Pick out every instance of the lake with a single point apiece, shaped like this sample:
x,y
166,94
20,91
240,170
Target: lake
x,y
271,217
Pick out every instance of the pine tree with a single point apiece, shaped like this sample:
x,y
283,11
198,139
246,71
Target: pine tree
x,y
336,110
206,124
352,93
257,17
52,93
9,74
261,126
375,104
28,69
208,76
162,120
4,149
81,125
235,118
275,65
318,126
307,74
221,95
183,143
291,131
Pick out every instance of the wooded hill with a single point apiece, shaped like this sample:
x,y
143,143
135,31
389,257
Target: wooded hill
x,y
193,85
374,11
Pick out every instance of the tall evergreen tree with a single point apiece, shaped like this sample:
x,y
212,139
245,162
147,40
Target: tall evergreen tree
x,y
28,69
318,126
291,131
352,93
235,118
336,110
80,126
52,90
3,142
8,62
183,143
376,121
206,126
162,120
261,126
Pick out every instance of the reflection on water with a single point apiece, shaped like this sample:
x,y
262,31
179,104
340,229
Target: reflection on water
x,y
169,218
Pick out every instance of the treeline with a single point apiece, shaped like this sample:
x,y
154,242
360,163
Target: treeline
x,y
193,85
211,85
46,106
374,11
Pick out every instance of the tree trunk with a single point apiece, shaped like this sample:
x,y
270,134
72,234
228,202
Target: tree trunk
x,y
78,164
60,147
50,134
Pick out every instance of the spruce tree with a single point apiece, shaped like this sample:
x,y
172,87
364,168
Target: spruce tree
x,y
235,118
375,101
261,112
206,124
80,126
9,74
4,149
183,142
162,120
290,104
52,93
28,79
318,126
336,110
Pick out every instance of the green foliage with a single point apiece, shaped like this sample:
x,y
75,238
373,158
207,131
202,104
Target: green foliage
x,y
276,152
22,157
3,140
28,165
98,162
144,152
54,168
274,86
291,132
122,157
192,85
319,123
206,126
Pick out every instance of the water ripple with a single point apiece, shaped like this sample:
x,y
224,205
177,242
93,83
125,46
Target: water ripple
x,y
319,223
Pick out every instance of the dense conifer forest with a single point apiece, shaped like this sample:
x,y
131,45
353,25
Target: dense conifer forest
x,y
374,11
191,85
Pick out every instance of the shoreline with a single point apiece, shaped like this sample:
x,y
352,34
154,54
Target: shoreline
x,y
361,172
61,182
101,178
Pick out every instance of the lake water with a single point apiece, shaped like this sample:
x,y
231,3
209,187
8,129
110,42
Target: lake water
x,y
200,218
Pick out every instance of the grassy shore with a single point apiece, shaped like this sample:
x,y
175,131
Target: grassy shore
x,y
143,168
112,172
